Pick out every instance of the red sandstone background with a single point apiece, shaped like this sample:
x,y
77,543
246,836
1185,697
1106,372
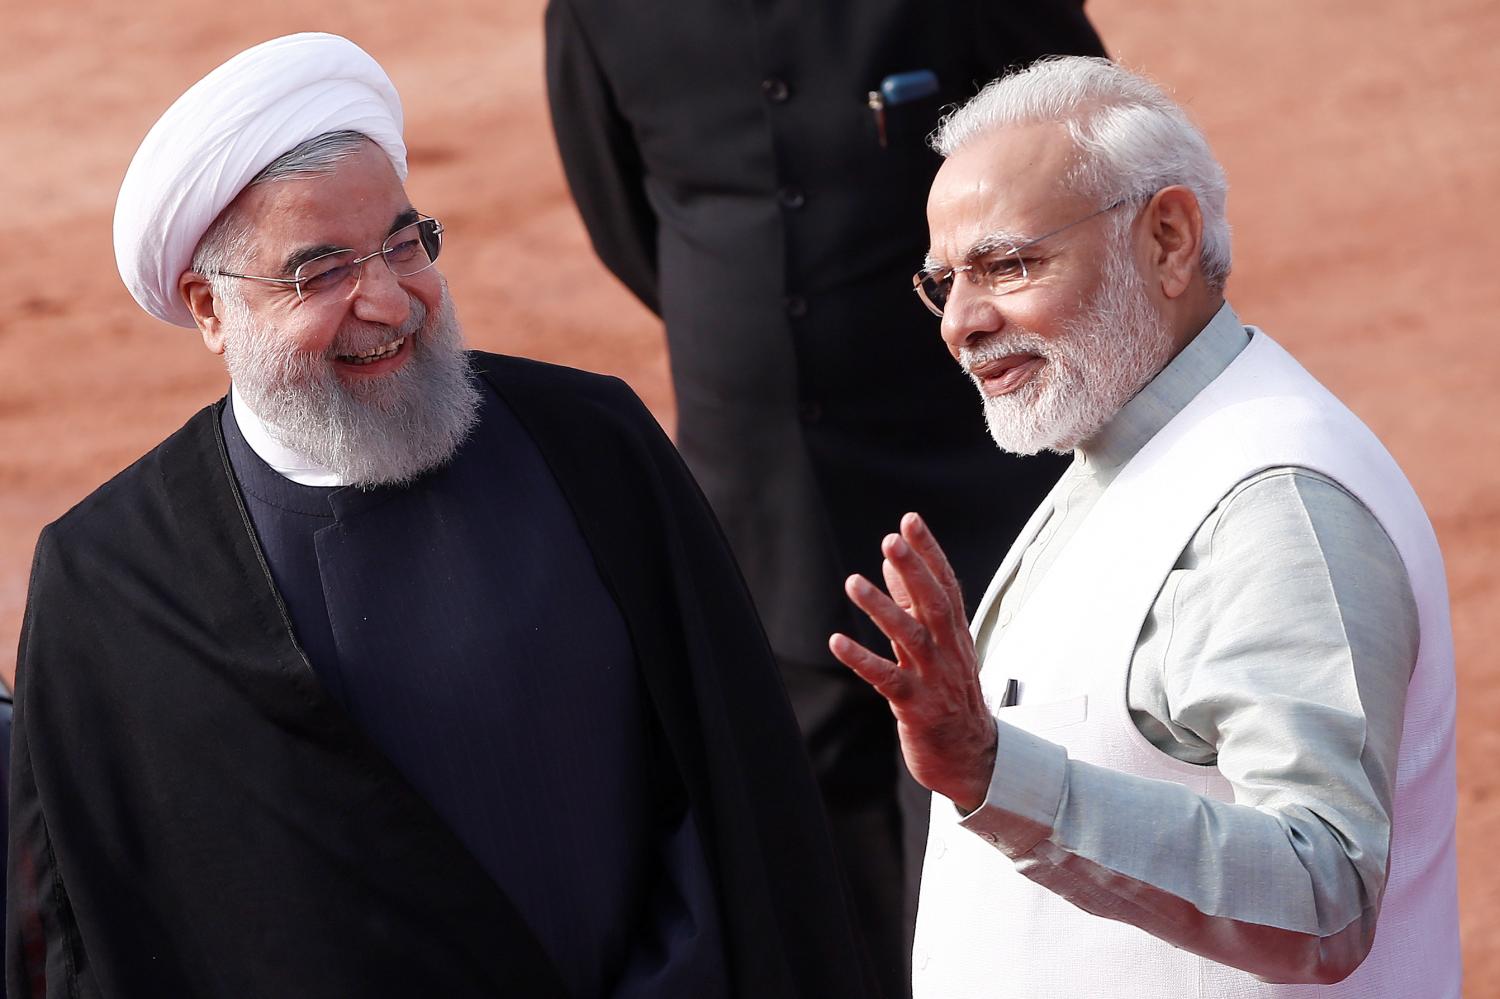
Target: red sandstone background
x,y
1361,137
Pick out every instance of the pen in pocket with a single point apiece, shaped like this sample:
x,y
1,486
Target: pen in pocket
x,y
899,88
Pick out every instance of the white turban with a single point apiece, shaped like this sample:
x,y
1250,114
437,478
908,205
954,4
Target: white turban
x,y
216,137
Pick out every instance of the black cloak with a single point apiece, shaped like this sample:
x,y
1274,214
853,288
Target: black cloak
x,y
193,815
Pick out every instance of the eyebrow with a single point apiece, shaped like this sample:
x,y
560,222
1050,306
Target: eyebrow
x,y
999,239
403,219
302,255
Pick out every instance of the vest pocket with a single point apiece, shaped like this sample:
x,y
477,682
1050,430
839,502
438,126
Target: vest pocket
x,y
1045,715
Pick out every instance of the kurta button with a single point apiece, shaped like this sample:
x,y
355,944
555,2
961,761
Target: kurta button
x,y
796,306
939,847
920,959
810,412
776,90
791,197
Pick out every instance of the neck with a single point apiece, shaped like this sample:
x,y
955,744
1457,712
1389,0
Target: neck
x,y
1187,315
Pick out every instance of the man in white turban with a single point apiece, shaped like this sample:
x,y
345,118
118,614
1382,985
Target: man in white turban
x,y
401,670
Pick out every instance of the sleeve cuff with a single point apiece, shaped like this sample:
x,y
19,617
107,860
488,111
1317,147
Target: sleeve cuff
x,y
1025,793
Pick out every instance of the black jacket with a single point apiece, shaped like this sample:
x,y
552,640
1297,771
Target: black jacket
x,y
193,815
731,174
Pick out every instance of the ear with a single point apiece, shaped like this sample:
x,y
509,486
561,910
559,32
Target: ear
x,y
198,293
1175,234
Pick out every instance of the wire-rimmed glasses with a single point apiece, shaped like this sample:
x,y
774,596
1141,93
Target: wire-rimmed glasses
x,y
409,250
1000,271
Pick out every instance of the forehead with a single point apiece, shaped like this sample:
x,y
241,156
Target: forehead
x,y
1010,181
351,206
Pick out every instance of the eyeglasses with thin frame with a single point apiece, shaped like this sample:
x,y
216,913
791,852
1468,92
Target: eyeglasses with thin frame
x,y
999,272
409,250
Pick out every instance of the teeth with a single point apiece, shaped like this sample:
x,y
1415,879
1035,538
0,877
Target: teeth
x,y
374,353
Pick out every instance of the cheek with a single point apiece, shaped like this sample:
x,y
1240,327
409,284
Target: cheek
x,y
312,335
427,288
1045,314
1056,309
311,339
292,331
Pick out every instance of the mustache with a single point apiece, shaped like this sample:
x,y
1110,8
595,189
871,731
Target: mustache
x,y
1001,345
357,336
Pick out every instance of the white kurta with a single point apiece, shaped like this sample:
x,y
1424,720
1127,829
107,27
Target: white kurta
x,y
985,929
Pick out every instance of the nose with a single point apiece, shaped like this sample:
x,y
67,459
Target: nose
x,y
969,315
379,297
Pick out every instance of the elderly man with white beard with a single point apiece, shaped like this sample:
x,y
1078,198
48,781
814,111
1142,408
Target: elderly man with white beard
x,y
1199,739
402,670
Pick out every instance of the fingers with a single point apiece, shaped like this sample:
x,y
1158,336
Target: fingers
x,y
893,582
897,589
886,677
916,532
909,638
928,599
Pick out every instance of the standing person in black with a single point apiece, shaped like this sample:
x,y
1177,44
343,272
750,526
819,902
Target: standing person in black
x,y
756,173
402,670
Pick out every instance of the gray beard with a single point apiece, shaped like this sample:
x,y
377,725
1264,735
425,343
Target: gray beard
x,y
379,431
1102,359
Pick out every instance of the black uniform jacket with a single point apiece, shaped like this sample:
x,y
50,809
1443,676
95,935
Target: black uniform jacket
x,y
192,815
732,174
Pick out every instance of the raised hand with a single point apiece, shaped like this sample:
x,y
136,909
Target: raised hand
x,y
947,733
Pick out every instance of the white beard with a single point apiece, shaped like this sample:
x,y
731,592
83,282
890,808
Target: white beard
x,y
1102,359
379,431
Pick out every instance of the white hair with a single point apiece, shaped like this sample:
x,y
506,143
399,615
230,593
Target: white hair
x,y
1132,138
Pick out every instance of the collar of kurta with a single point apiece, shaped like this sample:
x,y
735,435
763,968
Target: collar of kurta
x,y
1203,359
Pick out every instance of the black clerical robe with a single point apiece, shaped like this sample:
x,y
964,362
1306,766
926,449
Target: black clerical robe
x,y
461,621
193,814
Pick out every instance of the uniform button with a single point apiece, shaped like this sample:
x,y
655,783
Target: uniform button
x,y
920,959
776,90
796,306
810,412
791,197
1005,619
939,847
989,837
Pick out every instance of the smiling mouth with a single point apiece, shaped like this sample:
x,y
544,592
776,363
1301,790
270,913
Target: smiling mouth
x,y
1004,375
374,353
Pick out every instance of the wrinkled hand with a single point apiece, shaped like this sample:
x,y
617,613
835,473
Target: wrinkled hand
x,y
947,734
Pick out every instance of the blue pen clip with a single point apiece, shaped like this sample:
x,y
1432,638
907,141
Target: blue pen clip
x,y
900,88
